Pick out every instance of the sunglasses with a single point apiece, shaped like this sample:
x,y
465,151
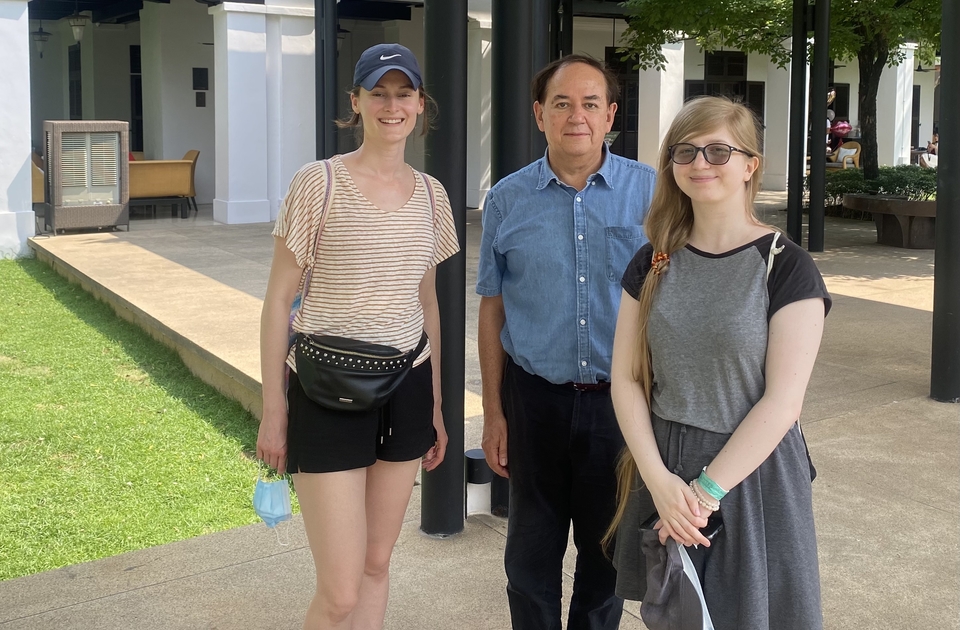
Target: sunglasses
x,y
716,153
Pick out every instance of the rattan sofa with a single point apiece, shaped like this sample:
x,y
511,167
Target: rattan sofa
x,y
155,182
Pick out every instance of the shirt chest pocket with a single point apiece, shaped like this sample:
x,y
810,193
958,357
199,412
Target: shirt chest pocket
x,y
621,243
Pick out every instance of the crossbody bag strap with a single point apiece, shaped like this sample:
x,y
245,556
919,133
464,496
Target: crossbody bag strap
x,y
433,205
774,250
430,193
327,196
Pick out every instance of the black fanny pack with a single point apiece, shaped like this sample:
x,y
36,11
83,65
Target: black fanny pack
x,y
350,375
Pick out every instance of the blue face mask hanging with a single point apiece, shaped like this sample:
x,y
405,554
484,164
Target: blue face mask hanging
x,y
271,501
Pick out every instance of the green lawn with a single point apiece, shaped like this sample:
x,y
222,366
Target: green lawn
x,y
107,442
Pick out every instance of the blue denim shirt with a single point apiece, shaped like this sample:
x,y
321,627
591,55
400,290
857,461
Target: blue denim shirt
x,y
556,255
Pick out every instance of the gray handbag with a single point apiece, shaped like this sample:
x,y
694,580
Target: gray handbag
x,y
674,599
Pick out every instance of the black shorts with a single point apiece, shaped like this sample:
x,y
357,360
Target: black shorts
x,y
325,440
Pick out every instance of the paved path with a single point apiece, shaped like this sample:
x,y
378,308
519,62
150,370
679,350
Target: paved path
x,y
887,499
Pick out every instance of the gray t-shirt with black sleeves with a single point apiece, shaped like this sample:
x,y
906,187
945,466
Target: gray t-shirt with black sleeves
x,y
709,323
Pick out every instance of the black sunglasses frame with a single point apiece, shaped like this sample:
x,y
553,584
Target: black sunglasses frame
x,y
703,150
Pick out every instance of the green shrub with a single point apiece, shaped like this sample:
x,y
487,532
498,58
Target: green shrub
x,y
908,180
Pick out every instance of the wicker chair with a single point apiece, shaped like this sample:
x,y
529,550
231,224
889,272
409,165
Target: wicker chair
x,y
156,181
848,158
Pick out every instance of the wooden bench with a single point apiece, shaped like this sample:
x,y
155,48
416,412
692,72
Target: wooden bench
x,y
900,223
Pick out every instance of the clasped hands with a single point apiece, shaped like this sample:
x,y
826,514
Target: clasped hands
x,y
681,516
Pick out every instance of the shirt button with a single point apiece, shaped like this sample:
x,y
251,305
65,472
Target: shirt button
x,y
579,237
583,363
593,183
582,279
583,322
578,199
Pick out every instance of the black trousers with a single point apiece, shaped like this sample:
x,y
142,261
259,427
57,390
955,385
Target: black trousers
x,y
562,447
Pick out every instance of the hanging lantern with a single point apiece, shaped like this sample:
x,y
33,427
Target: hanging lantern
x,y
77,22
40,38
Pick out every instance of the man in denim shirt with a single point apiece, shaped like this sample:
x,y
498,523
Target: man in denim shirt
x,y
557,236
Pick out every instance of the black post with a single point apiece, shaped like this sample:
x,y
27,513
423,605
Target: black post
x,y
511,109
798,123
325,20
818,114
555,14
445,35
566,28
540,57
945,360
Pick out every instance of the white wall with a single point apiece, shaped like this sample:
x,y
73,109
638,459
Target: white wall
x,y
111,59
894,111
175,38
693,61
926,81
592,36
16,210
47,98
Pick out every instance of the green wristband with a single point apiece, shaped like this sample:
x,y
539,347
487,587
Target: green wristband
x,y
710,486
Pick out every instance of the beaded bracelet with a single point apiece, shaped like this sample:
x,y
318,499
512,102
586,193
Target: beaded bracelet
x,y
710,486
713,507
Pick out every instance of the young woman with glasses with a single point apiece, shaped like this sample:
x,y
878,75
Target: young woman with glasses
x,y
719,326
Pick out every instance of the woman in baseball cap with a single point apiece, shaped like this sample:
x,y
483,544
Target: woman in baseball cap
x,y
379,63
371,230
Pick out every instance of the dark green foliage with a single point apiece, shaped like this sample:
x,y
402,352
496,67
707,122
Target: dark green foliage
x,y
908,180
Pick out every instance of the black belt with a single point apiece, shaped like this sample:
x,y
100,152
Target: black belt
x,y
588,387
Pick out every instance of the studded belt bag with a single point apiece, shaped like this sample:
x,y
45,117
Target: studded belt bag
x,y
350,375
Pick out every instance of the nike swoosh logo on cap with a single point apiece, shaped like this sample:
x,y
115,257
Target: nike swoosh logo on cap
x,y
382,58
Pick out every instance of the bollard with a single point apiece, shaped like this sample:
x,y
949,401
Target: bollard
x,y
500,496
478,478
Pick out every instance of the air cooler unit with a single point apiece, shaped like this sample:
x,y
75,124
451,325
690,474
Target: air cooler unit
x,y
86,180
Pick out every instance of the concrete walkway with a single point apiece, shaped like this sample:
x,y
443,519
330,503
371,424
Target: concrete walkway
x,y
887,499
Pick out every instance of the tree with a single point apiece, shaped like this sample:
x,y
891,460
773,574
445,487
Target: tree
x,y
870,31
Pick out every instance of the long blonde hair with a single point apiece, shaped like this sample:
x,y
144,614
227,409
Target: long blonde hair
x,y
668,225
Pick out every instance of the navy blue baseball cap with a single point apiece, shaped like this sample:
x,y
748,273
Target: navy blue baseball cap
x,y
378,60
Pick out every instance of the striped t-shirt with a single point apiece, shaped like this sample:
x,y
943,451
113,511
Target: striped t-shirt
x,y
366,277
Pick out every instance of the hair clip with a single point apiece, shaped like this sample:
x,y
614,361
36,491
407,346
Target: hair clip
x,y
660,262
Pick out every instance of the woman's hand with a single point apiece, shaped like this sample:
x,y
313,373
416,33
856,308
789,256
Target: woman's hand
x,y
435,455
272,441
681,517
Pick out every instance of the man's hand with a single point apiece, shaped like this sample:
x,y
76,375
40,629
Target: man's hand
x,y
494,442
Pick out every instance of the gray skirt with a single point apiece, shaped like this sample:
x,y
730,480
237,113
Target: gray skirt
x,y
761,571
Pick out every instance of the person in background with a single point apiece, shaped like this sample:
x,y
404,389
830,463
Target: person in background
x,y
930,158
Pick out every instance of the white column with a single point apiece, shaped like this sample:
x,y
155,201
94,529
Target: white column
x,y
17,222
894,111
661,97
475,107
291,96
777,127
265,117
